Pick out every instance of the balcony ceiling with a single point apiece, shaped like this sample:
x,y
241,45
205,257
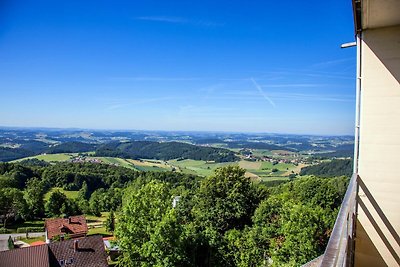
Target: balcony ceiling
x,y
380,13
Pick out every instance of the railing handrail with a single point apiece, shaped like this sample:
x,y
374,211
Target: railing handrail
x,y
337,248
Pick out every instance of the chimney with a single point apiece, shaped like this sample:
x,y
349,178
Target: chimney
x,y
76,248
69,220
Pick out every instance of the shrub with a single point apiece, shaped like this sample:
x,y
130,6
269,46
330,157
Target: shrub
x,y
30,229
4,230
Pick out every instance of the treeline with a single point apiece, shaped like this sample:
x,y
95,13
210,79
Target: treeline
x,y
32,148
71,147
8,154
228,221
336,167
23,186
221,220
165,151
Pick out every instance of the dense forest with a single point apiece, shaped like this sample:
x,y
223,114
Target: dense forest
x,y
71,147
8,154
336,167
221,220
164,151
32,148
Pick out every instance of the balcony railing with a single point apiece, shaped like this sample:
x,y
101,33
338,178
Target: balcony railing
x,y
340,248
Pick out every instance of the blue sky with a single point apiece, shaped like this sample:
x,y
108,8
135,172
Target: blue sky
x,y
243,66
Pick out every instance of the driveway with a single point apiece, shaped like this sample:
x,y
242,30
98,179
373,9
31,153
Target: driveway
x,y
4,238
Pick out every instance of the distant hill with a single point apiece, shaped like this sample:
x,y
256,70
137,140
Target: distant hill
x,y
71,147
165,151
336,167
254,145
7,154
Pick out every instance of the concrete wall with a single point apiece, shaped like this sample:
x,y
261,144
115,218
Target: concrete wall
x,y
379,158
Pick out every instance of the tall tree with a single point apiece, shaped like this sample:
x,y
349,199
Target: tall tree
x,y
12,204
56,204
33,195
223,202
148,231
110,222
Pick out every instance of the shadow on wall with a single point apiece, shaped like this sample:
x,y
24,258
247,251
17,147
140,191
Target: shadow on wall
x,y
385,43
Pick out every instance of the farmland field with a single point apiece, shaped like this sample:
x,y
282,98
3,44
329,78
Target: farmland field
x,y
256,170
69,194
51,157
115,161
198,167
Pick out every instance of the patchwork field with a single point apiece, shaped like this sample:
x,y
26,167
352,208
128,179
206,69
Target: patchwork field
x,y
52,157
256,170
198,167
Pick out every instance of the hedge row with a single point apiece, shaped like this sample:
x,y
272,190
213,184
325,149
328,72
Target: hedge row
x,y
30,229
4,230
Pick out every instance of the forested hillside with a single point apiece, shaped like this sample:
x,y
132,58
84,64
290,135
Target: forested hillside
x,y
32,148
7,154
71,147
336,167
221,220
165,151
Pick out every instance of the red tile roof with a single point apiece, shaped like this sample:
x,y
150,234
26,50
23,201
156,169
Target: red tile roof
x,y
37,243
74,225
83,252
37,256
89,252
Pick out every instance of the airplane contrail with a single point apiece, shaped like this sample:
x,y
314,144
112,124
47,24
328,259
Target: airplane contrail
x,y
262,92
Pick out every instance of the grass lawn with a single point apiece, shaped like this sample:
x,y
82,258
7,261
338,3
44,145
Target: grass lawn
x,y
99,231
52,157
92,218
262,152
69,194
150,165
116,161
250,165
274,178
33,239
198,167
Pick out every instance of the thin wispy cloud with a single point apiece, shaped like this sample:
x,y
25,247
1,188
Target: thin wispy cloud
x,y
262,93
141,101
180,20
291,85
255,96
331,63
154,79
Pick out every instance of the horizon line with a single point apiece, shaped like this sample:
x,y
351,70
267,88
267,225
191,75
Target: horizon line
x,y
147,130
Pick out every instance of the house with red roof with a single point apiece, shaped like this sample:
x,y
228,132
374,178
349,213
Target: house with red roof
x,y
83,252
74,227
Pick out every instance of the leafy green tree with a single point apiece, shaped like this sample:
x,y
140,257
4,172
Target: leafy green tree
x,y
95,203
56,204
148,230
248,247
225,200
33,195
7,182
12,204
110,222
84,191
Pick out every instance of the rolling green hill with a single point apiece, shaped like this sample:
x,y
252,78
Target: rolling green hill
x,y
165,151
